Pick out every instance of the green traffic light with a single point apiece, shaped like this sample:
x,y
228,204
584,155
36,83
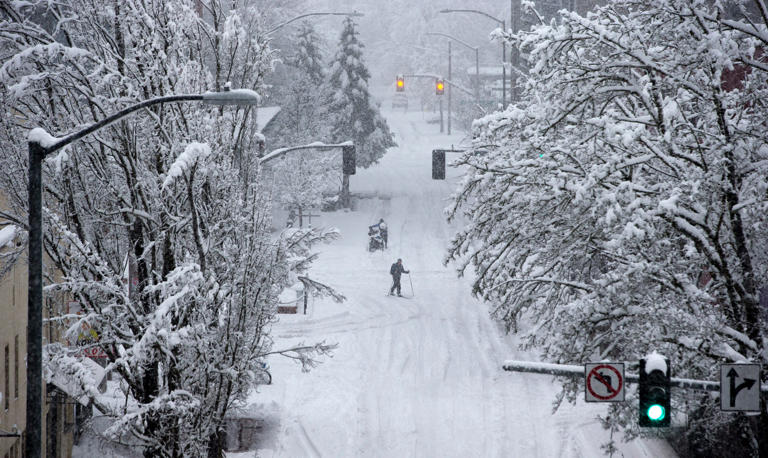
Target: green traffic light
x,y
656,412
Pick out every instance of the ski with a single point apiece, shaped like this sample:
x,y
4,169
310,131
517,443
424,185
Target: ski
x,y
401,297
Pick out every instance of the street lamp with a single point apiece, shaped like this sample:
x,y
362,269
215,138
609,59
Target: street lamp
x,y
477,58
41,144
280,26
503,50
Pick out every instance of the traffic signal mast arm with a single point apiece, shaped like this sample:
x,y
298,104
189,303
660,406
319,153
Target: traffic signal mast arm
x,y
566,370
445,80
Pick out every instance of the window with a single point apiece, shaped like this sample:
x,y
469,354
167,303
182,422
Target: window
x,y
7,390
16,367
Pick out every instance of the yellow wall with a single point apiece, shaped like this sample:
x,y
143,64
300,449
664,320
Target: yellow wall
x,y
13,334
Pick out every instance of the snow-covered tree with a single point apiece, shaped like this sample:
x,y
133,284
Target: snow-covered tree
x,y
308,58
304,115
173,190
622,206
307,180
355,114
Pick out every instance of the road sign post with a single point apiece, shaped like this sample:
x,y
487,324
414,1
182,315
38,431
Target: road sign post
x,y
604,382
740,387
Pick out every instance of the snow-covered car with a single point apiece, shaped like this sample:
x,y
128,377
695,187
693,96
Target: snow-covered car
x,y
400,101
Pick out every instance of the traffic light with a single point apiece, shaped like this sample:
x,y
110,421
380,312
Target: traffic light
x,y
654,393
439,86
438,164
400,86
348,159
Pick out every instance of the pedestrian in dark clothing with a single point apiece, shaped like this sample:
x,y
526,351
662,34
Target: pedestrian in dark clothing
x,y
396,270
383,231
381,227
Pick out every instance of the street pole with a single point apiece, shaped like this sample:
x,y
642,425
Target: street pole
x,y
441,115
477,60
512,76
503,70
449,87
34,431
503,25
477,75
37,153
280,26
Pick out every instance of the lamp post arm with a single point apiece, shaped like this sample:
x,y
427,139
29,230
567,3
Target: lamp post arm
x,y
280,26
282,151
475,11
110,119
473,48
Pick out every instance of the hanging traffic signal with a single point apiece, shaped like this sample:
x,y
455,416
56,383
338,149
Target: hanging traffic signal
x,y
439,86
438,164
348,159
400,85
654,393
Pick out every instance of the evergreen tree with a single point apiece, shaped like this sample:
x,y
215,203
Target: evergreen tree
x,y
307,179
356,116
303,118
308,58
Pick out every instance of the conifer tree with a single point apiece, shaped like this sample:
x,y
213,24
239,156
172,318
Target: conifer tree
x,y
356,116
308,58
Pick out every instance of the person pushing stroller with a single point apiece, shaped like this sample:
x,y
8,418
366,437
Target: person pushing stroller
x,y
396,270
381,228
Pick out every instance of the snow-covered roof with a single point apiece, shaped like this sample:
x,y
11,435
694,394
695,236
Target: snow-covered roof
x,y
264,115
70,385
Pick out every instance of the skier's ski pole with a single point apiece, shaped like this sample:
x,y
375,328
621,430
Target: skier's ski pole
x,y
411,280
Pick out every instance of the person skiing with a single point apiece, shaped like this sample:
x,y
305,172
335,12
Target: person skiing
x,y
396,270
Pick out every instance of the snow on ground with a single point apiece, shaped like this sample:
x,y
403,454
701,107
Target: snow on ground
x,y
418,377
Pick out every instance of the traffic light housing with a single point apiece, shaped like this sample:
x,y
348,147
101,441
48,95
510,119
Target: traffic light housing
x,y
400,85
348,159
438,164
654,394
439,86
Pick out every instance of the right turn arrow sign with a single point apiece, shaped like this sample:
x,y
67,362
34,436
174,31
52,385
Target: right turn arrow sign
x,y
739,390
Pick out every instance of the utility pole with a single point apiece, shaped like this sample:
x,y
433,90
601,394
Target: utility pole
x,y
503,69
441,115
477,75
514,12
503,25
450,91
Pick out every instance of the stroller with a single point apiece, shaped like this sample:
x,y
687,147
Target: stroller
x,y
375,242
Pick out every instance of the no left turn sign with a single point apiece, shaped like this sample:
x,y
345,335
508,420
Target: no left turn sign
x,y
604,382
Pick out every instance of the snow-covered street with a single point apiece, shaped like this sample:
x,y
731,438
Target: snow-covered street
x,y
416,377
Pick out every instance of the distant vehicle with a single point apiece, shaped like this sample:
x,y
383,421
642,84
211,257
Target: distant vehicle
x,y
400,101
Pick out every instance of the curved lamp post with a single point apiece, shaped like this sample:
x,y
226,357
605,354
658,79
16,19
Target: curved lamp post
x,y
280,26
477,58
40,145
503,50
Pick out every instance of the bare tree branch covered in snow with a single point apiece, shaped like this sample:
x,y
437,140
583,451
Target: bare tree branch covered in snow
x,y
624,207
159,224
